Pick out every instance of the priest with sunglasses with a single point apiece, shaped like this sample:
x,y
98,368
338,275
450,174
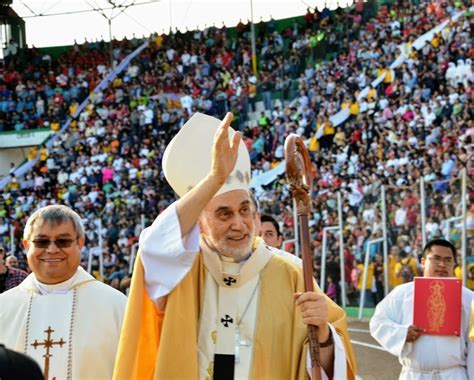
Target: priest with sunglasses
x,y
60,315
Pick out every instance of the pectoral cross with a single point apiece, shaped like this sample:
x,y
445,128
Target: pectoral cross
x,y
227,321
47,343
239,342
229,281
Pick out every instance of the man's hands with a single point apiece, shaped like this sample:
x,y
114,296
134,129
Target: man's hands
x,y
413,333
224,151
314,310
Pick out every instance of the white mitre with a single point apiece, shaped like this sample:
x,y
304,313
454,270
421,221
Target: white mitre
x,y
187,158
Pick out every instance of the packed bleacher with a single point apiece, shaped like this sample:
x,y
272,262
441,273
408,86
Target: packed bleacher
x,y
107,165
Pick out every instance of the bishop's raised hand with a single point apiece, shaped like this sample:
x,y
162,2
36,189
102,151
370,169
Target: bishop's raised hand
x,y
224,151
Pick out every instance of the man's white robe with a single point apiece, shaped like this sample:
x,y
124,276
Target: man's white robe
x,y
96,324
430,356
167,258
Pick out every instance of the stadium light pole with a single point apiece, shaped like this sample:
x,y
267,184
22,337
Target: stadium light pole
x,y
464,224
324,255
296,228
342,259
423,210
98,10
122,8
364,274
385,241
111,52
171,19
12,240
254,47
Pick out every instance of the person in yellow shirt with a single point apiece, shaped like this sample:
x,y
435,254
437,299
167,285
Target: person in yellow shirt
x,y
43,153
328,128
345,104
458,268
13,185
470,276
90,108
328,137
252,93
32,153
354,107
274,164
158,40
372,97
313,144
370,276
61,193
380,72
73,108
393,260
388,76
73,127
55,127
407,268
413,53
117,82
436,40
340,137
368,286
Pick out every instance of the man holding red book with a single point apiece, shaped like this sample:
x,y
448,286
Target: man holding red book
x,y
439,346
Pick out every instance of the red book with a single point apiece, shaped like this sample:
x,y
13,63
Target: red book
x,y
437,305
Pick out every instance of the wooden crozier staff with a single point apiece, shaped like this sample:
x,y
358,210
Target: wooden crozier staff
x,y
298,173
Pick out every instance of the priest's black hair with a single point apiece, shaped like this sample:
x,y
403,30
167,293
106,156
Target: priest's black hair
x,y
442,243
271,219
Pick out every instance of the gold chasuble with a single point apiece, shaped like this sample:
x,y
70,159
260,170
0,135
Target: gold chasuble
x,y
164,346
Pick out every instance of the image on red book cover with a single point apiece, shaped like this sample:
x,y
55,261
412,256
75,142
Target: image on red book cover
x,y
437,305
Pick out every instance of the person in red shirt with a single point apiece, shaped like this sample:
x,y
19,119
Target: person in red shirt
x,y
410,199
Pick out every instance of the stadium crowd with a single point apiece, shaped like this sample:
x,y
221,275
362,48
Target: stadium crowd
x,y
107,166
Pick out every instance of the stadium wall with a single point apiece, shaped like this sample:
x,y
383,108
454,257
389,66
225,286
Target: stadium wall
x,y
11,155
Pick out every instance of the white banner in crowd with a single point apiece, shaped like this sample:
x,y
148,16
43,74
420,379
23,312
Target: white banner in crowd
x,y
268,177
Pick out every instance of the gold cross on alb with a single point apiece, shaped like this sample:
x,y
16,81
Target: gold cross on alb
x,y
47,343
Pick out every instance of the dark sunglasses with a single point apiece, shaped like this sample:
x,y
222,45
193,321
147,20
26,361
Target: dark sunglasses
x,y
60,243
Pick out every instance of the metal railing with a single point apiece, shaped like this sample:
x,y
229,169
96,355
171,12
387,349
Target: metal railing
x,y
364,275
322,278
98,252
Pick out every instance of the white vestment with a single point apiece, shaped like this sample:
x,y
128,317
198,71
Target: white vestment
x,y
167,258
430,356
81,318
